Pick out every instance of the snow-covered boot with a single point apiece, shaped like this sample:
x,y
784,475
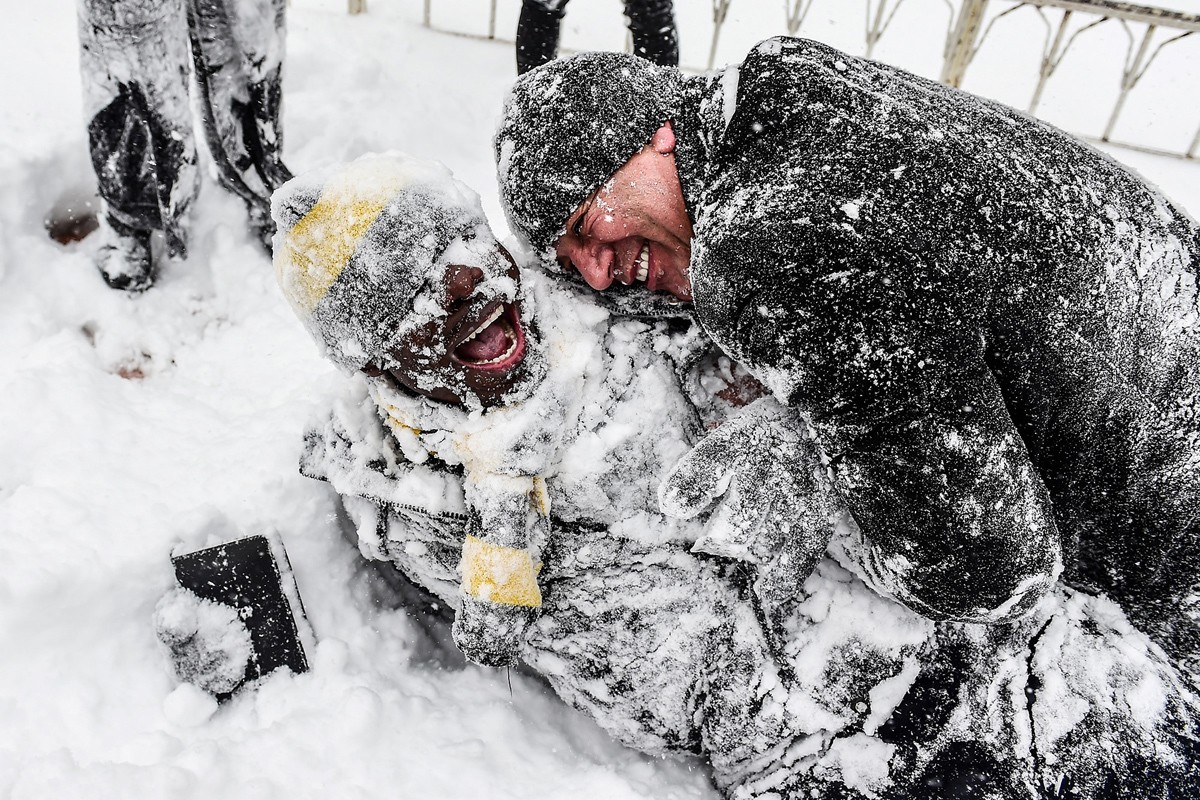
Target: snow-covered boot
x,y
125,259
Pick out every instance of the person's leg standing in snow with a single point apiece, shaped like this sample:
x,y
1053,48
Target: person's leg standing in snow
x,y
237,48
133,59
651,23
537,33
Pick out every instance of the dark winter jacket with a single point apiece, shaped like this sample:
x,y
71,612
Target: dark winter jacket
x,y
993,326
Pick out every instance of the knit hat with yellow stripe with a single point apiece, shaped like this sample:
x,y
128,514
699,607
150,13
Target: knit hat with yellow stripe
x,y
356,243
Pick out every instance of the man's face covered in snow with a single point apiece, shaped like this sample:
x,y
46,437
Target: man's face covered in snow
x,y
468,342
635,228
391,265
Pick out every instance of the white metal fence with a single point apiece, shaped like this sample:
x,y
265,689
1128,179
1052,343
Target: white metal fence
x,y
970,28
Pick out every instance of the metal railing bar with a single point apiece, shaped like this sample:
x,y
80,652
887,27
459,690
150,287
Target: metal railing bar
x,y
1134,13
1063,53
1140,148
1128,77
719,9
796,12
962,43
875,33
949,43
974,51
1049,61
1158,50
1135,70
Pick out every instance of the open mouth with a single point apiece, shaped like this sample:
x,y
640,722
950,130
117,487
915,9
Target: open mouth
x,y
495,343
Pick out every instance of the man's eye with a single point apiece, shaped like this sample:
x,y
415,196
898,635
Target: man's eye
x,y
577,228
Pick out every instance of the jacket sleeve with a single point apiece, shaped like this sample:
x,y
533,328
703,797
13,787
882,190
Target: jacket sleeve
x,y
500,592
952,517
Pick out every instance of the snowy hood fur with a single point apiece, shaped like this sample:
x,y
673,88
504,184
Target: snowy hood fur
x,y
356,243
568,126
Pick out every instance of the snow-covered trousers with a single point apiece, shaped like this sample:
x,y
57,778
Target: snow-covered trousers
x,y
851,696
134,58
651,23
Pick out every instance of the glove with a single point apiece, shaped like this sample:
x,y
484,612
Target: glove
x,y
778,501
500,597
209,645
491,634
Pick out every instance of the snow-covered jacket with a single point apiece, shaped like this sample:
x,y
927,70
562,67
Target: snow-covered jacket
x,y
840,692
993,326
582,409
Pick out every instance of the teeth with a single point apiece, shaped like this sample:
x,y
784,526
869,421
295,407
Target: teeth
x,y
495,315
643,264
512,347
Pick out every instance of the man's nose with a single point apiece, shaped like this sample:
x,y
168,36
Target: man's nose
x,y
462,280
592,259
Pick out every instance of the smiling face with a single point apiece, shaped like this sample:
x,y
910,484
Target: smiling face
x,y
635,228
472,347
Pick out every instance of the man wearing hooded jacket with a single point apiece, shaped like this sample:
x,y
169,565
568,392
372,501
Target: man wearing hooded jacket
x,y
991,327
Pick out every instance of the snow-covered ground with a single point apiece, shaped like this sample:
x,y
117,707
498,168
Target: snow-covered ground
x,y
130,425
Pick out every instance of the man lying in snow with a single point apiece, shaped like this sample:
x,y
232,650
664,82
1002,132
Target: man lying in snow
x,y
993,327
789,688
